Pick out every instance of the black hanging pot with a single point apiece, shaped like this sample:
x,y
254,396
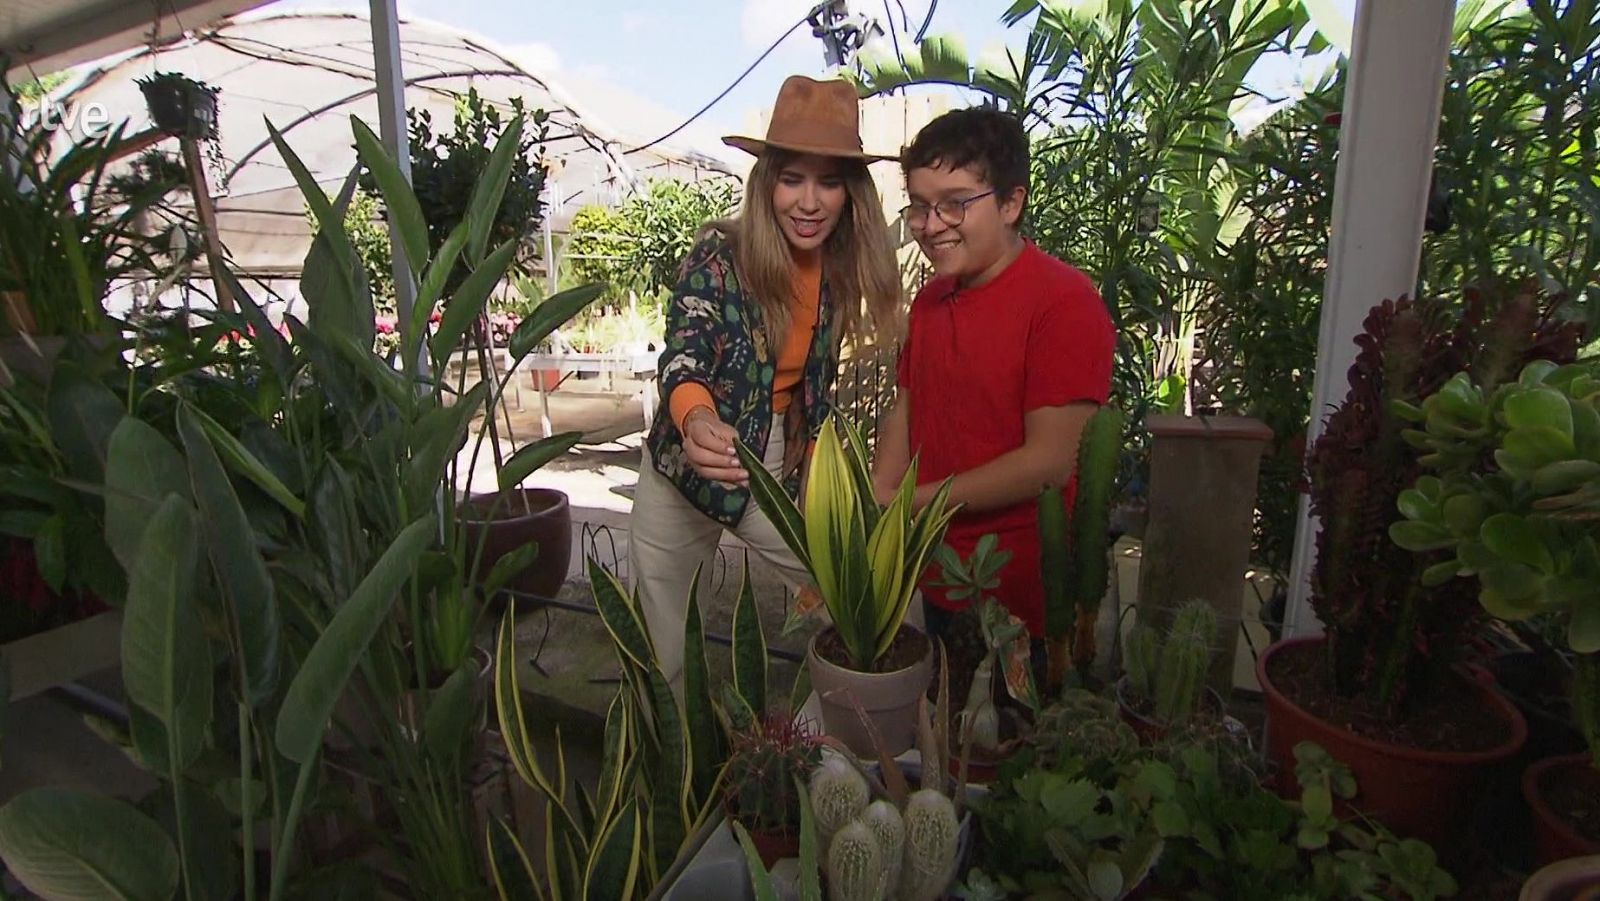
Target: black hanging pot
x,y
180,106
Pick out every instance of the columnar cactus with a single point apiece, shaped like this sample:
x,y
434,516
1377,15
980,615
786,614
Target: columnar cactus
x,y
1141,659
932,834
855,864
1184,662
838,795
886,824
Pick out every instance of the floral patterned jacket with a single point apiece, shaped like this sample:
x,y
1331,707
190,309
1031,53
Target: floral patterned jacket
x,y
715,337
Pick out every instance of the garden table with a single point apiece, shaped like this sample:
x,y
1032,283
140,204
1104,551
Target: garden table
x,y
638,364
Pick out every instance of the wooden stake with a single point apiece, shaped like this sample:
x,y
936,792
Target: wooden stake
x,y
208,221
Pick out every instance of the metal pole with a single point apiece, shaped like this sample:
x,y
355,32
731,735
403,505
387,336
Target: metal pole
x,y
551,207
392,129
1380,197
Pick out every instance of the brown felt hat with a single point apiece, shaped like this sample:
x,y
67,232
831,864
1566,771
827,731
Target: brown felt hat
x,y
820,117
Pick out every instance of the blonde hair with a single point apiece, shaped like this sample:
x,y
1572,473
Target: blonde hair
x,y
858,259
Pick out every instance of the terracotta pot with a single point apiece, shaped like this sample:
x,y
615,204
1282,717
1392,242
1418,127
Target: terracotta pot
x,y
1577,879
983,767
889,700
774,846
1417,793
549,524
548,379
1554,838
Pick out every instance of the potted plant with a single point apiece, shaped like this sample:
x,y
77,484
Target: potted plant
x,y
985,641
1164,682
1379,690
865,560
765,760
179,105
1510,497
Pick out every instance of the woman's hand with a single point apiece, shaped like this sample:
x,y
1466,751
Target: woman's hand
x,y
709,442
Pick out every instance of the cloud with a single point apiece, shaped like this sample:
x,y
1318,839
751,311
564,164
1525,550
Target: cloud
x,y
537,56
762,21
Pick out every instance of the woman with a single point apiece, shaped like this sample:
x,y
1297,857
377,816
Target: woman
x,y
752,347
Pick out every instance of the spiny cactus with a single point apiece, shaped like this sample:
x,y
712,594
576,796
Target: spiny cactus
x,y
932,834
1141,659
887,825
1184,661
855,864
838,795
760,777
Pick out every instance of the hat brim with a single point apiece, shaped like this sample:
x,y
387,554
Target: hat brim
x,y
755,147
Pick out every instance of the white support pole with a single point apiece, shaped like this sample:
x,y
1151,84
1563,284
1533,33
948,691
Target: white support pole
x,y
1386,143
392,129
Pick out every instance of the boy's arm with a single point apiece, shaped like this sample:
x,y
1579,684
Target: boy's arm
x,y
893,453
1048,456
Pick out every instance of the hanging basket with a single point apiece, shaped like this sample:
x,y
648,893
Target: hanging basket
x,y
180,106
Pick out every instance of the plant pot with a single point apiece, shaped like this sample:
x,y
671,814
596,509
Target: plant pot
x,y
889,700
1417,793
1577,879
774,846
548,379
1554,836
983,767
545,520
180,108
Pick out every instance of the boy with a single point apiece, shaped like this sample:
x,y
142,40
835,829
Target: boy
x,y
1007,354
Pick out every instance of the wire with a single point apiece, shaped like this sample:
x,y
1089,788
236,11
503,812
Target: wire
x,y
894,33
928,20
725,91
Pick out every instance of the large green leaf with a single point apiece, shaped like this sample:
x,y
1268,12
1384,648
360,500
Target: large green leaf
x,y
239,459
400,202
552,313
439,435
613,868
484,204
309,701
83,414
530,458
668,818
776,503
451,712
620,614
466,305
241,572
749,647
142,468
166,658
705,739
69,845
333,279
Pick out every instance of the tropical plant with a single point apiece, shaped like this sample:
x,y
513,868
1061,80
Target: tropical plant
x,y
1511,494
865,559
641,245
1391,634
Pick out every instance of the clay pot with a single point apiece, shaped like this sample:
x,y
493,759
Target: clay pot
x,y
889,700
1577,879
546,520
774,846
1553,837
1417,793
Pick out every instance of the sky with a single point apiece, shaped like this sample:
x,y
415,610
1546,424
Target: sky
x,y
677,56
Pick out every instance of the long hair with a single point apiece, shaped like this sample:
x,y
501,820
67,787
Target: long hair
x,y
858,259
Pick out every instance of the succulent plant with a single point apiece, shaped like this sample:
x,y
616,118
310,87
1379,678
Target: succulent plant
x,y
759,782
1185,659
838,795
886,823
855,864
932,834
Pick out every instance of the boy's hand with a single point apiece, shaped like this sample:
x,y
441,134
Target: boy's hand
x,y
708,443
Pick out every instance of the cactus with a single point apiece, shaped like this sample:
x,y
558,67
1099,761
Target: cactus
x,y
838,795
886,824
932,834
759,781
1184,661
855,864
1142,651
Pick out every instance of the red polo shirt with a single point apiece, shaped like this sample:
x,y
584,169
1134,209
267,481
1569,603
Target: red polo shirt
x,y
975,362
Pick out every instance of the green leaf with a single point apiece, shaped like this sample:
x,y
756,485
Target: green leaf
x,y
1583,626
749,647
1515,539
83,415
166,659
705,743
451,712
1539,408
404,213
466,305
440,434
1105,880
50,552
533,457
242,461
776,503
309,701
551,313
508,567
1332,23
141,470
613,869
620,614
484,204
70,845
1419,536
241,572
759,877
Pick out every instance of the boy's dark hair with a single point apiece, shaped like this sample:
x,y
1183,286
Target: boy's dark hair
x,y
989,140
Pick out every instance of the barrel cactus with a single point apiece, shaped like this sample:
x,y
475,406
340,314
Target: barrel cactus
x,y
932,835
886,824
855,864
838,795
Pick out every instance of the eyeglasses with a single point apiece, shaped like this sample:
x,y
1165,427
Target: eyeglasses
x,y
951,212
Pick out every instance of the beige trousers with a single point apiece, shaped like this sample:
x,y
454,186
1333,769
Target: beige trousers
x,y
668,538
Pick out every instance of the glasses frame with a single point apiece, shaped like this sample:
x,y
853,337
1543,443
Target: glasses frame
x,y
905,212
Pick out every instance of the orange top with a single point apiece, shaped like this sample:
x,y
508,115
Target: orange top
x,y
791,359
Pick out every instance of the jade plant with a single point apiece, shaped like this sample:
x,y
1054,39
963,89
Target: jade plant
x,y
1074,558
1512,503
1166,674
1390,633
